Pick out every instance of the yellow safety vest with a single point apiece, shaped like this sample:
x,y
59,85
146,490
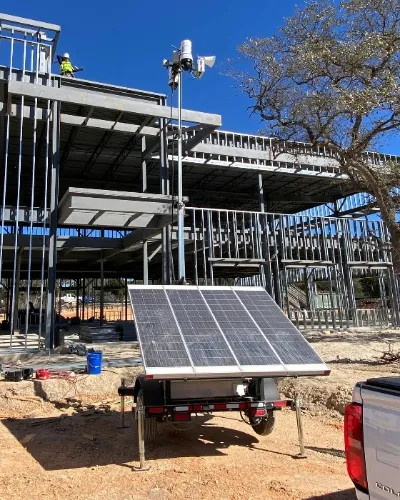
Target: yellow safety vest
x,y
66,67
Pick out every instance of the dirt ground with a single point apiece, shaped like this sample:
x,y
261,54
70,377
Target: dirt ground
x,y
67,441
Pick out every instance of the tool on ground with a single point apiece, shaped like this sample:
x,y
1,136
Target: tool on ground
x,y
42,374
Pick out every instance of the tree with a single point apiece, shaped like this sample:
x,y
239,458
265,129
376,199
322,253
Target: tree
x,y
331,77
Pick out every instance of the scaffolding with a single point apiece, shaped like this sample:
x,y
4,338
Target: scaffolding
x,y
88,195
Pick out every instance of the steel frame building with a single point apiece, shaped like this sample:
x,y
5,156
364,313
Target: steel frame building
x,y
88,193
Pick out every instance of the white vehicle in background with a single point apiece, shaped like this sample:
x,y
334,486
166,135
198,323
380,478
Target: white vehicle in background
x,y
69,299
372,438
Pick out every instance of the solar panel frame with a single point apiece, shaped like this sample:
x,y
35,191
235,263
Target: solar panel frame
x,y
213,371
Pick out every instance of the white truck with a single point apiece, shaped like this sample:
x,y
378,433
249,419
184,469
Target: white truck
x,y
69,299
372,438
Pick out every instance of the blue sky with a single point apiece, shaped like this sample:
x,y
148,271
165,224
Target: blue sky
x,y
124,42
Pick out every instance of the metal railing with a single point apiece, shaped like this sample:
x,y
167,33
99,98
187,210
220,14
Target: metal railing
x,y
277,250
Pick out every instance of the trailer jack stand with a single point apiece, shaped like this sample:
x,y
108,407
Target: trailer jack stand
x,y
140,426
123,425
122,408
297,405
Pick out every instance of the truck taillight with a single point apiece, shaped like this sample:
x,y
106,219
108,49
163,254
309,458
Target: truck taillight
x,y
354,445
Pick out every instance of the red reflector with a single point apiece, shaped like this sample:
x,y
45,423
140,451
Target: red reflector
x,y
220,406
197,408
354,444
327,372
279,404
243,406
258,412
181,416
156,409
149,377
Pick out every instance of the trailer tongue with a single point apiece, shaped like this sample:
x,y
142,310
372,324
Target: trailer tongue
x,y
209,349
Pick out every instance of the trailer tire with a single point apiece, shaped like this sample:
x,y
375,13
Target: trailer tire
x,y
150,429
263,426
150,423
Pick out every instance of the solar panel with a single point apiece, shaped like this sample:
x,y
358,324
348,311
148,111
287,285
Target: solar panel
x,y
247,342
190,331
203,338
289,344
160,340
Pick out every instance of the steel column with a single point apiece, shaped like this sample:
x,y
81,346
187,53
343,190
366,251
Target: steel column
x,y
145,263
52,260
101,290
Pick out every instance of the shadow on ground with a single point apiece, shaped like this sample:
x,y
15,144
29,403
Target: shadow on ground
x,y
328,451
338,495
86,441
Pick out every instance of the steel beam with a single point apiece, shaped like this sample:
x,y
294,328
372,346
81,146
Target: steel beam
x,y
30,22
98,100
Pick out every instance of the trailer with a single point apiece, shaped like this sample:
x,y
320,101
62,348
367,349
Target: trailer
x,y
210,349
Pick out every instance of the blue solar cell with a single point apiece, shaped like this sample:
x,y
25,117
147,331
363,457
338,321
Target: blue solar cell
x,y
287,341
160,339
203,338
245,339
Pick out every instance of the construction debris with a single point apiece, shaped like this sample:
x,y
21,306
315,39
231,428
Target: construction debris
x,y
98,334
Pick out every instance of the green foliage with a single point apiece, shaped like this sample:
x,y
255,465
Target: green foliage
x,y
331,77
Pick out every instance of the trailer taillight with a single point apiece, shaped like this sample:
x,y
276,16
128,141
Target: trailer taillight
x,y
182,416
155,409
354,445
257,412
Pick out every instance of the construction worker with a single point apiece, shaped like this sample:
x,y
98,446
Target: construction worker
x,y
66,67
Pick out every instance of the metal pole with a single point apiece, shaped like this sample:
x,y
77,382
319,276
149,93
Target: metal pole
x,y
15,294
166,231
126,299
140,426
144,166
83,298
145,264
297,403
52,259
101,290
261,193
181,206
123,424
78,291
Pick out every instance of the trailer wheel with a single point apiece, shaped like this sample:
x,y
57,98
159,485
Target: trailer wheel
x,y
263,425
150,423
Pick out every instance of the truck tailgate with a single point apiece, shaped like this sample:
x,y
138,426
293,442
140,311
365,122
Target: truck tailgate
x,y
381,422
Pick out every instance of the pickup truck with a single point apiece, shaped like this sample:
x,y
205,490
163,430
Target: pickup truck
x,y
372,438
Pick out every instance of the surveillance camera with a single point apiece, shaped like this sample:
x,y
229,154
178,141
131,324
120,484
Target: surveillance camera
x,y
186,55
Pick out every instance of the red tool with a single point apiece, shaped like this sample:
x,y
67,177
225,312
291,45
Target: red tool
x,y
42,374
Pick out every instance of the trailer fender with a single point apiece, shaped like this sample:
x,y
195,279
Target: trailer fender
x,y
153,391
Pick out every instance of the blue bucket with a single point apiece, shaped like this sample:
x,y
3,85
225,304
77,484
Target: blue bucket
x,y
94,363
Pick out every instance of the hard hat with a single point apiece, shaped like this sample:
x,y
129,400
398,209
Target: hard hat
x,y
66,55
